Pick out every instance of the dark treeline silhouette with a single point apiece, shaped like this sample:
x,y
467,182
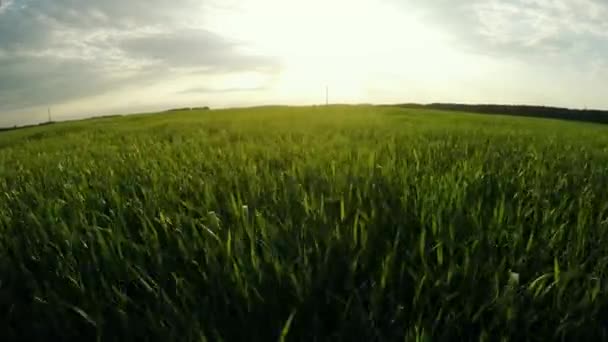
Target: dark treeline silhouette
x,y
16,127
112,116
587,115
4,129
187,109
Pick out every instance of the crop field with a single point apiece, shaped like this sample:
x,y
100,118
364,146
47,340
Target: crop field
x,y
338,223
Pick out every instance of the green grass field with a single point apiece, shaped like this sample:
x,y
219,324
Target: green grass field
x,y
336,223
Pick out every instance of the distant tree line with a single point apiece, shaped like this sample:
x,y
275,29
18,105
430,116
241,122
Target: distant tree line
x,y
188,109
3,129
587,115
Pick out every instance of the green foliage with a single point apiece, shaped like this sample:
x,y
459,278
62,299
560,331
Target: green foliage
x,y
300,224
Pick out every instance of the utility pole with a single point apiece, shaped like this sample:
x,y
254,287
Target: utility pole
x,y
49,110
327,95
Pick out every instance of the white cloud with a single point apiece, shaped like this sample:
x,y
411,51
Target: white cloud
x,y
4,5
541,24
520,28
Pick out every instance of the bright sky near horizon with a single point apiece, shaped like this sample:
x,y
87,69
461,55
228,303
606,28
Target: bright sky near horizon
x,y
89,57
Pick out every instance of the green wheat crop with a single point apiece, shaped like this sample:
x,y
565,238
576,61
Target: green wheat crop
x,y
336,223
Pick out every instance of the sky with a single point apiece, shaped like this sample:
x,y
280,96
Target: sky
x,y
83,58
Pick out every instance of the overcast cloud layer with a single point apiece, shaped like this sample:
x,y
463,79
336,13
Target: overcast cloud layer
x,y
54,52
89,57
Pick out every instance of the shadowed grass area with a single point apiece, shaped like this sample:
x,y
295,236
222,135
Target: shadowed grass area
x,y
304,223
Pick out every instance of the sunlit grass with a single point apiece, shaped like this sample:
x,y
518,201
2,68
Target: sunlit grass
x,y
319,223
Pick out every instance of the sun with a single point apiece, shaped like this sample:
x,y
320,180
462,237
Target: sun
x,y
341,44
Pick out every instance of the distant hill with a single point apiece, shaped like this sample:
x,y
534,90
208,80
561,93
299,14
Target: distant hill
x,y
587,115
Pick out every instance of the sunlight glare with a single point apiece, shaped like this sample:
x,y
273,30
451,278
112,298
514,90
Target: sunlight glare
x,y
341,44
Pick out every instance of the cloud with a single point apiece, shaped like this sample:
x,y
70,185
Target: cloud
x,y
63,50
194,48
206,90
29,81
540,25
4,5
521,27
